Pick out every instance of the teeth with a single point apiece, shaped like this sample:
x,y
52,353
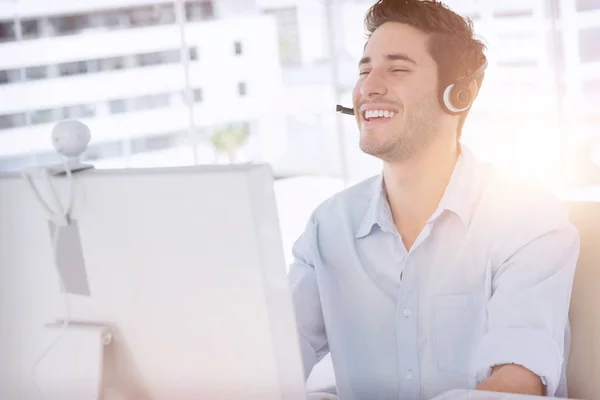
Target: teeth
x,y
379,113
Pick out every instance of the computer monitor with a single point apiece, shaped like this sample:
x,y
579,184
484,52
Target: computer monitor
x,y
186,262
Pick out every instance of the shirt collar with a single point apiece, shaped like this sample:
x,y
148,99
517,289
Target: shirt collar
x,y
460,197
378,211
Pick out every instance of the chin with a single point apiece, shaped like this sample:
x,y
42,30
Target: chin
x,y
390,152
378,150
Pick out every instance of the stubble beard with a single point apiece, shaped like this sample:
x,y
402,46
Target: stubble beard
x,y
420,129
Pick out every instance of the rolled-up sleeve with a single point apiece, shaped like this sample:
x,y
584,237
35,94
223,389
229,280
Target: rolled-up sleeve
x,y
306,300
529,306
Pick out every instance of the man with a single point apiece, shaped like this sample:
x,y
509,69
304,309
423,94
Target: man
x,y
439,273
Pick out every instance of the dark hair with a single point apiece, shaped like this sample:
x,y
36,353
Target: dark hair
x,y
451,43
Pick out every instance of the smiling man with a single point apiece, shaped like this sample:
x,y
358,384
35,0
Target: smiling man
x,y
439,273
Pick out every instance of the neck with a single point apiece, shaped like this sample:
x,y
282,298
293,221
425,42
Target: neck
x,y
415,187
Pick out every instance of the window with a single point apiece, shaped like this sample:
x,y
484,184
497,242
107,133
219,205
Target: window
x,y
237,48
79,111
197,95
114,19
108,20
589,50
45,116
193,53
288,34
69,24
162,57
103,150
152,15
72,68
156,142
207,9
10,76
117,106
587,5
143,16
170,56
7,31
35,73
12,120
199,10
30,29
150,102
111,64
158,14
165,13
144,60
92,66
242,91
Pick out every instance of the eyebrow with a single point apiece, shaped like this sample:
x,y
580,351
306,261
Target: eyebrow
x,y
389,57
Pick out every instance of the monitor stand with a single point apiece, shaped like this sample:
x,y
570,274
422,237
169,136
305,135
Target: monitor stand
x,y
73,368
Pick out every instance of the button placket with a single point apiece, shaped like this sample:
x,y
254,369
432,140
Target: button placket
x,y
407,338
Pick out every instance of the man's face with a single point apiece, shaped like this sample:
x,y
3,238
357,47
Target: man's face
x,y
395,97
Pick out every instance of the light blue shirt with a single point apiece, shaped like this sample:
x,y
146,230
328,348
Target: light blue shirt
x,y
487,282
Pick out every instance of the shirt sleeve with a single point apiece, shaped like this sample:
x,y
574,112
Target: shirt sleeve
x,y
306,300
528,310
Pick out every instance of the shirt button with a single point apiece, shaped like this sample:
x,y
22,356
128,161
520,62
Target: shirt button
x,y
407,312
409,375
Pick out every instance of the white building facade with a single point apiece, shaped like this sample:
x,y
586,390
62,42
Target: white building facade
x,y
119,67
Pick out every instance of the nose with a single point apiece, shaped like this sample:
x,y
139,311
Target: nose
x,y
373,85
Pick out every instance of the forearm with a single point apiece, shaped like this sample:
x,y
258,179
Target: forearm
x,y
512,378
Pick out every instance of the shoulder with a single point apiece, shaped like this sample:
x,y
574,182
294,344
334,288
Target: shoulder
x,y
348,205
335,220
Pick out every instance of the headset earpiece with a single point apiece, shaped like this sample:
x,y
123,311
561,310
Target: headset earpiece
x,y
457,98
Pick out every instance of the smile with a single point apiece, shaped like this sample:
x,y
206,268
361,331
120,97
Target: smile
x,y
372,114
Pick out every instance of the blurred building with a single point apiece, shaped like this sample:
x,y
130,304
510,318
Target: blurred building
x,y
543,78
120,67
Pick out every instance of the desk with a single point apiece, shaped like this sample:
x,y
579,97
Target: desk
x,y
463,394
457,394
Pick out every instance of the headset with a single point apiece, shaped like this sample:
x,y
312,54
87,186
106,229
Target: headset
x,y
455,98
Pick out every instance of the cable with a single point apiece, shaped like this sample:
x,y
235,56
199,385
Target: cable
x,y
61,217
66,320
